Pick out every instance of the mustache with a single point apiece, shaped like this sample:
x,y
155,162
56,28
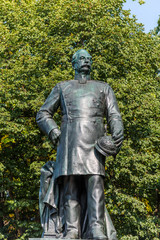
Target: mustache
x,y
86,65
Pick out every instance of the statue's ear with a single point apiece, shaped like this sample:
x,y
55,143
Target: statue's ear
x,y
74,65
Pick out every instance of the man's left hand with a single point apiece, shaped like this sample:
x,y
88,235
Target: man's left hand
x,y
118,140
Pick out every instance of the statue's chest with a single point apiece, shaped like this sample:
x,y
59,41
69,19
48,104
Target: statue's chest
x,y
83,95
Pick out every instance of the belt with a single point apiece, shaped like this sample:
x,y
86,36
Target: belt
x,y
66,118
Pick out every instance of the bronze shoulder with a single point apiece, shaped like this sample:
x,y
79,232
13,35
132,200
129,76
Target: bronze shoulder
x,y
100,83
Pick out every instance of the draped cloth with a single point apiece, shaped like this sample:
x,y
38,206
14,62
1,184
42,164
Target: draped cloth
x,y
51,207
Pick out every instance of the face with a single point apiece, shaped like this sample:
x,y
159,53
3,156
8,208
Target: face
x,y
84,61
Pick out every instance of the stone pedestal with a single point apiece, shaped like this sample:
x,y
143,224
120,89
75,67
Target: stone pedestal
x,y
42,239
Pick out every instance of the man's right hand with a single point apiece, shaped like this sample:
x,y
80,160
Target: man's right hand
x,y
54,135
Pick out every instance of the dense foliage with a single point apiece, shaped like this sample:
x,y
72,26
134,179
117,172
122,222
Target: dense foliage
x,y
38,39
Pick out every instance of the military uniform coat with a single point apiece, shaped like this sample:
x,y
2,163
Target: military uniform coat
x,y
83,106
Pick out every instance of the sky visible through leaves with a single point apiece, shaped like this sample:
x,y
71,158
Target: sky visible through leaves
x,y
147,13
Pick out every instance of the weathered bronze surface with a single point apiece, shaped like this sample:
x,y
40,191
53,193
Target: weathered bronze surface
x,y
72,188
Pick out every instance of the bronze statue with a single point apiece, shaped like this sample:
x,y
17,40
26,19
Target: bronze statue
x,y
72,201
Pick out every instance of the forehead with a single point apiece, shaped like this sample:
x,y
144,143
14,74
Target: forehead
x,y
84,54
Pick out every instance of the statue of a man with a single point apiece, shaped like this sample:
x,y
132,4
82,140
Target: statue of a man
x,y
83,145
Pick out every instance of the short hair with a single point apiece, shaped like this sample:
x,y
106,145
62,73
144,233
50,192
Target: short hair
x,y
75,55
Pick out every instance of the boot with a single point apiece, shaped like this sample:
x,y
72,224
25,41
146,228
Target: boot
x,y
95,207
97,233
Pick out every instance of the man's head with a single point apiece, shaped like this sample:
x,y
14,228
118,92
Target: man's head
x,y
82,61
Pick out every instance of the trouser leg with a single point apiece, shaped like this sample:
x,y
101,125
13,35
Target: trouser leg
x,y
95,206
71,207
